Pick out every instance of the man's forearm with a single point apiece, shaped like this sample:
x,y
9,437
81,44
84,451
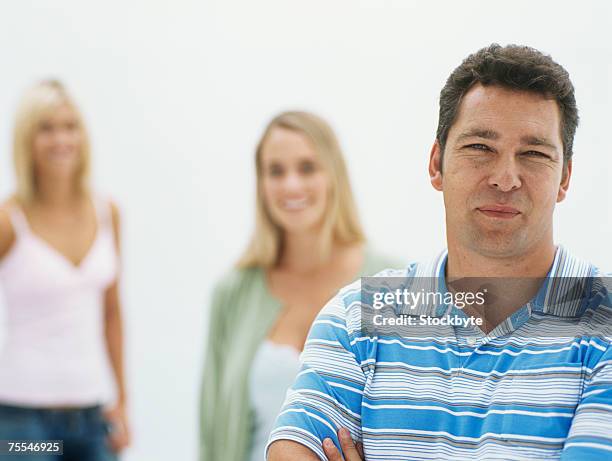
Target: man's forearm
x,y
288,450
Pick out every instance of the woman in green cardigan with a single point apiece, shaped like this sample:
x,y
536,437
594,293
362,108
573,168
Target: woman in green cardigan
x,y
307,244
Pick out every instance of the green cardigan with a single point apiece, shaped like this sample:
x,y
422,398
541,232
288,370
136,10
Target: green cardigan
x,y
241,314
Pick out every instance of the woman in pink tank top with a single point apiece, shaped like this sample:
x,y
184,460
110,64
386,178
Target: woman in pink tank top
x,y
61,360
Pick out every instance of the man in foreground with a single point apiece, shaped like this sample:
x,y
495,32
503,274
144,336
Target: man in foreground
x,y
534,379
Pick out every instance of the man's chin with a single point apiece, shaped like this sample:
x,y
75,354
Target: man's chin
x,y
497,244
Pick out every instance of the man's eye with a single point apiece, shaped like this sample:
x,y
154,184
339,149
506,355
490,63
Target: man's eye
x,y
478,147
535,153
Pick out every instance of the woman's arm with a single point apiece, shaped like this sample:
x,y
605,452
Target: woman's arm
x,y
7,234
113,330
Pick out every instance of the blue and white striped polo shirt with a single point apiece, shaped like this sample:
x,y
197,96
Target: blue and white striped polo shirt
x,y
514,393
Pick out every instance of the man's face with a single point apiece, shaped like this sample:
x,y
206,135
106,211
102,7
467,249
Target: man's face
x,y
502,171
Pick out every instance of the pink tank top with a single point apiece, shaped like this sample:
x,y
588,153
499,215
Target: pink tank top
x,y
54,352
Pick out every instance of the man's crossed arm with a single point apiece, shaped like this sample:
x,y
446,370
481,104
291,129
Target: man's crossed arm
x,y
287,450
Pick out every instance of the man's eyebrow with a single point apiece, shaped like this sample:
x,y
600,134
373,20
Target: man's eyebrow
x,y
485,133
537,141
478,133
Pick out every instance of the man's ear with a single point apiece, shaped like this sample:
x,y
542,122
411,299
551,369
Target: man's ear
x,y
435,166
565,181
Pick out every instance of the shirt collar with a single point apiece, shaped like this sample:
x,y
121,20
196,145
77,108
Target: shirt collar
x,y
564,292
566,289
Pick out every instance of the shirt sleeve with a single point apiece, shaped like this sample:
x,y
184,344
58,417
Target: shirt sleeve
x,y
328,390
590,435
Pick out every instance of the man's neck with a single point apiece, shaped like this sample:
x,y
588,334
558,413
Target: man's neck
x,y
511,281
463,262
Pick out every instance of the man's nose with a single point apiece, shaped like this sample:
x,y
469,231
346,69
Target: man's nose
x,y
505,176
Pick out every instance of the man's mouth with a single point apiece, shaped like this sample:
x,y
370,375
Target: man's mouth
x,y
499,211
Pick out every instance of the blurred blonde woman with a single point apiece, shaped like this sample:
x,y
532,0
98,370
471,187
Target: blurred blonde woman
x,y
308,242
59,273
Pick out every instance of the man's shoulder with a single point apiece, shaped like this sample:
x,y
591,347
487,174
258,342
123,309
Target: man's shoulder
x,y
596,286
598,306
347,304
349,293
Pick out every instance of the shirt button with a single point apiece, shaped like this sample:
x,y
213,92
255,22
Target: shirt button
x,y
471,342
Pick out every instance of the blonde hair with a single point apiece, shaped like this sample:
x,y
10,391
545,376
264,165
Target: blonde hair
x,y
341,222
37,104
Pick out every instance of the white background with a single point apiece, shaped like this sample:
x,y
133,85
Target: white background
x,y
176,94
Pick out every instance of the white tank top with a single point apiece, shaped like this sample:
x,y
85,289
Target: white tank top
x,y
272,374
54,352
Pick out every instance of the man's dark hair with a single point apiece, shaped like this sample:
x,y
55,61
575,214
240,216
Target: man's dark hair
x,y
514,67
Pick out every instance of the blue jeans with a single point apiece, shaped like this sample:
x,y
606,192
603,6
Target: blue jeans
x,y
84,432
